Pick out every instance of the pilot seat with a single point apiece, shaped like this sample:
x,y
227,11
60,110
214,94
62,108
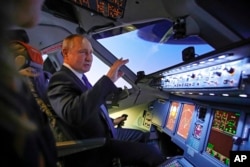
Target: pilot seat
x,y
29,63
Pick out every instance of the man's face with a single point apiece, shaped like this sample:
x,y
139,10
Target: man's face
x,y
79,56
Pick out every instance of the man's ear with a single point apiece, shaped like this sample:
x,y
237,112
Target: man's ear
x,y
64,52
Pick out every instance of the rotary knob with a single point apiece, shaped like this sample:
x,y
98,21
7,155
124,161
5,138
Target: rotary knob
x,y
230,70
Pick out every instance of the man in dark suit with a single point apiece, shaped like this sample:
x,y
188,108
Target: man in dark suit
x,y
81,106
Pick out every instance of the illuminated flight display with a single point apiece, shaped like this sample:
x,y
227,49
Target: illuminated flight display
x,y
224,127
173,112
185,120
197,131
109,8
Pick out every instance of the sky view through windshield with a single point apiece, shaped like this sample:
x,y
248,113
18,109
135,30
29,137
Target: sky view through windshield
x,y
143,55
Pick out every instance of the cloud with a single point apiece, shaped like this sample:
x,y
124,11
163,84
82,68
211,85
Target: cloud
x,y
153,49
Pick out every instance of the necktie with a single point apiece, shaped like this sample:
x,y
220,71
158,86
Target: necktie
x,y
86,81
103,108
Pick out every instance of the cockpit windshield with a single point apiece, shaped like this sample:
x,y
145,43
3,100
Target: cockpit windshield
x,y
151,48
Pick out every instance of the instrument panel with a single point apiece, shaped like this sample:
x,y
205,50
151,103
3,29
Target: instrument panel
x,y
208,132
225,75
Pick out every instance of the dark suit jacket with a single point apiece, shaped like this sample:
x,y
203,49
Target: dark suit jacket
x,y
78,106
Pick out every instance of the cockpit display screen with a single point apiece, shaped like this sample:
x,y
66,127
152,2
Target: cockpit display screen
x,y
173,113
109,8
224,127
197,131
185,120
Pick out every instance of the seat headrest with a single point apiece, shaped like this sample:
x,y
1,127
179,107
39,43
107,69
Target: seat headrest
x,y
26,55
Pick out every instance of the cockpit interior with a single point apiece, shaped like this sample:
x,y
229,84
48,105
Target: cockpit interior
x,y
188,76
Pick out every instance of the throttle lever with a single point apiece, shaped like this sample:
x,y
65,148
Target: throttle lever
x,y
122,122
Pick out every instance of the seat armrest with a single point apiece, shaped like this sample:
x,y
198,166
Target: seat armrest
x,y
74,146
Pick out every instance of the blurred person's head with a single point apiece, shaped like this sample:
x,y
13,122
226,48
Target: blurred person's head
x,y
24,13
21,13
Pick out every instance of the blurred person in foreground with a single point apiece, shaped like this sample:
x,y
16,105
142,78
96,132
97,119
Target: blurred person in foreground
x,y
26,139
